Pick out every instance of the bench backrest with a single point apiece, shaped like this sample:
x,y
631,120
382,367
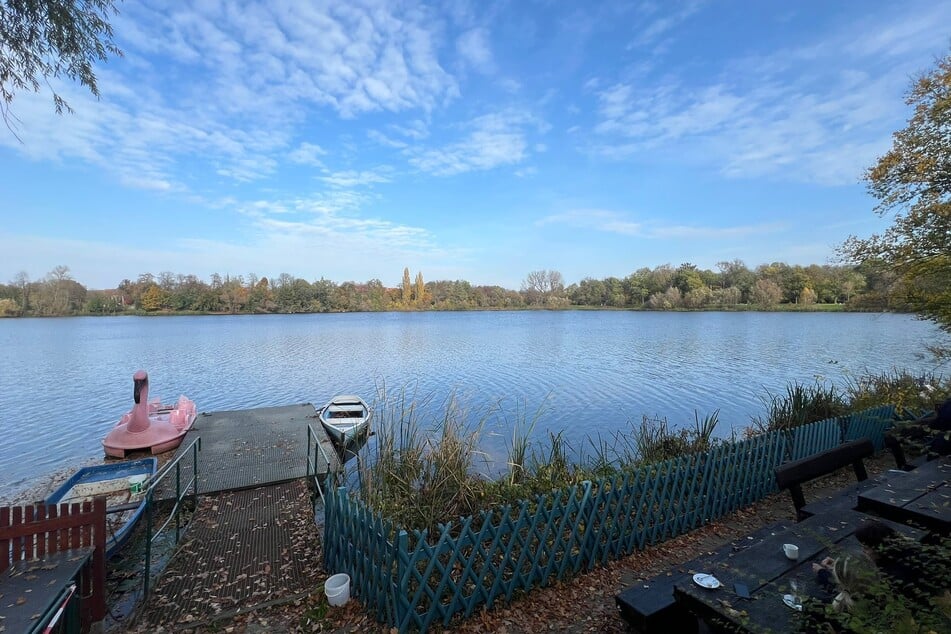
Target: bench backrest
x,y
33,531
791,475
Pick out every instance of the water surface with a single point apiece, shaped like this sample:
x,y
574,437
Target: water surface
x,y
64,382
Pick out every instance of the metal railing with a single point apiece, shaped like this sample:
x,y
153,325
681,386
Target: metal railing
x,y
182,492
313,460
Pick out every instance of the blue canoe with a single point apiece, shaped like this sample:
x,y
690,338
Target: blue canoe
x,y
123,483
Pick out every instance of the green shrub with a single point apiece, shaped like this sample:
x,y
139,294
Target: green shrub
x,y
886,604
911,394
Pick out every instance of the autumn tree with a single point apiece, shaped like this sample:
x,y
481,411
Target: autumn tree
x,y
687,278
42,40
419,293
407,287
912,182
153,298
23,285
766,293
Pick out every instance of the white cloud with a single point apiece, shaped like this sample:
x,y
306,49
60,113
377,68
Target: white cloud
x,y
388,141
232,86
473,46
608,221
307,154
415,129
812,114
654,27
493,140
355,178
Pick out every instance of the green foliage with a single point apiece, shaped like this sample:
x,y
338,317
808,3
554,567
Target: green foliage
x,y
911,181
911,394
883,602
46,39
800,405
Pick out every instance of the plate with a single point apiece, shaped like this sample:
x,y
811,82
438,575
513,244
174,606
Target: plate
x,y
704,580
791,602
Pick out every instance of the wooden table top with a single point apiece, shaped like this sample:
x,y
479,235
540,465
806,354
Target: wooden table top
x,y
769,574
921,496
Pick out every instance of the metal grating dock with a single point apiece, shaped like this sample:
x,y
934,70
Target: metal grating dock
x,y
244,549
250,448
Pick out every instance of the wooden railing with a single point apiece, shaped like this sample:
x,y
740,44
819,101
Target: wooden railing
x,y
36,531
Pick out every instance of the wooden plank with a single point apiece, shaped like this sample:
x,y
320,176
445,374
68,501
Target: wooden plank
x,y
825,462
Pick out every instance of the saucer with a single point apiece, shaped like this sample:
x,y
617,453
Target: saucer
x,y
704,580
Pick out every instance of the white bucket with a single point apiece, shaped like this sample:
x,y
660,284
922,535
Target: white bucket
x,y
337,589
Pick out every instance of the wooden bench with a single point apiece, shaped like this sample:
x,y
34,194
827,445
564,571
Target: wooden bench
x,y
792,475
650,607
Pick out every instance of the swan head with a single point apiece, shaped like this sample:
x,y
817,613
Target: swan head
x,y
140,381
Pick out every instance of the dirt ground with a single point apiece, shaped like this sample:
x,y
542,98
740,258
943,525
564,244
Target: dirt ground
x,y
582,604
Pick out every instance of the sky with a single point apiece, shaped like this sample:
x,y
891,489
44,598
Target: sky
x,y
472,140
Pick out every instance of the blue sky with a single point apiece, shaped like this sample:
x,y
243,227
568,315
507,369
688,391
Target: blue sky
x,y
467,140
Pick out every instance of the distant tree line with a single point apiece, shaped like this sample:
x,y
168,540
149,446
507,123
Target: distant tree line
x,y
732,286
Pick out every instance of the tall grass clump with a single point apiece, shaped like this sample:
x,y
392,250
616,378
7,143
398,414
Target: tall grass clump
x,y
522,428
422,476
911,394
655,441
800,405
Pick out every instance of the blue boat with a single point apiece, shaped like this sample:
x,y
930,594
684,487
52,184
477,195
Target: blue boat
x,y
124,485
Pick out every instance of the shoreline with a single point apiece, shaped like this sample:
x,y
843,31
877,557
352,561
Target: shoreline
x,y
739,308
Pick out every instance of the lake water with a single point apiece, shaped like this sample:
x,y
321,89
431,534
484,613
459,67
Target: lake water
x,y
64,382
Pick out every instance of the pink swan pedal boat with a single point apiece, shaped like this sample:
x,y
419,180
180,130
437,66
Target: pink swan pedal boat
x,y
152,426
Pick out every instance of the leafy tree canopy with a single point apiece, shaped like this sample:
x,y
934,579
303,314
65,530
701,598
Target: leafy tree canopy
x,y
47,39
913,182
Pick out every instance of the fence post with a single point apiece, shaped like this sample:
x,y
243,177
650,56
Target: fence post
x,y
401,553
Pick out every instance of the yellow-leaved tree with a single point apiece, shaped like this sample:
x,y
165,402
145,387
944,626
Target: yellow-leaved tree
x,y
912,182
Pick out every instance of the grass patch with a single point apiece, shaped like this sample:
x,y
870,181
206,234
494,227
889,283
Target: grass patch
x,y
800,405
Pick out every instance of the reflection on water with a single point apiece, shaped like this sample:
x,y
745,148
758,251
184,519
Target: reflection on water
x,y
65,382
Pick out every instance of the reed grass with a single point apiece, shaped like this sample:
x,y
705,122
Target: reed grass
x,y
424,472
800,405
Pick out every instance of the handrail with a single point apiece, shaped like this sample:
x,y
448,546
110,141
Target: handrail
x,y
180,494
312,463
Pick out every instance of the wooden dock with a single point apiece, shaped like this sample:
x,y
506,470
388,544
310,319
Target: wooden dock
x,y
249,448
252,540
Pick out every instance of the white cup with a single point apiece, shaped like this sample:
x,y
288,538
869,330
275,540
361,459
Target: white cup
x,y
791,551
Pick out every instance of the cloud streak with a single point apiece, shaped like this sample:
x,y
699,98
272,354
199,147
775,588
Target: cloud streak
x,y
491,141
809,114
608,221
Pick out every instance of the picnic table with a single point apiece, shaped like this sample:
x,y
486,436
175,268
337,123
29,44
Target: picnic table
x,y
769,574
31,591
921,496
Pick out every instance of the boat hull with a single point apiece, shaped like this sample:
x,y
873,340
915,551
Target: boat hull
x,y
346,419
167,426
112,481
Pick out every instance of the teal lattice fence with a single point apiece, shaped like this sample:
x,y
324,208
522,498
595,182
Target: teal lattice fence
x,y
872,424
413,579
